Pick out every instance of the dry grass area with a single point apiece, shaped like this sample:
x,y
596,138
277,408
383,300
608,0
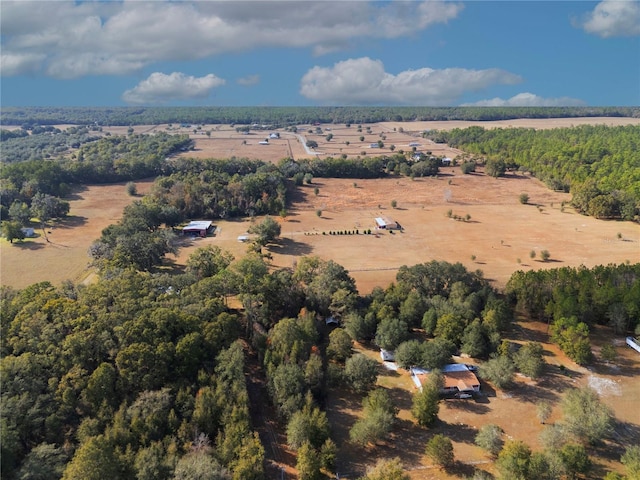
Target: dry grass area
x,y
500,231
222,141
65,256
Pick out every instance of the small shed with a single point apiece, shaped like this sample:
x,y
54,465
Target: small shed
x,y
386,223
198,228
387,355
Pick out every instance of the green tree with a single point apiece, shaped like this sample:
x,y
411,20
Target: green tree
x,y
585,416
475,342
410,354
339,347
575,460
499,371
20,212
387,470
95,459
495,168
543,411
309,463
394,203
361,372
379,414
631,460
46,207
529,359
208,261
573,338
513,460
425,405
250,462
266,231
440,450
437,353
489,438
524,198
132,190
199,465
371,428
545,255
391,332
12,230
309,425
43,462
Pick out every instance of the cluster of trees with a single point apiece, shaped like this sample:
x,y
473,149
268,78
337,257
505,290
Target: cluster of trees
x,y
586,422
600,165
288,115
43,143
574,299
124,378
109,159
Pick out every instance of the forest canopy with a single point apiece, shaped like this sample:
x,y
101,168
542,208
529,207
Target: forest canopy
x,y
283,116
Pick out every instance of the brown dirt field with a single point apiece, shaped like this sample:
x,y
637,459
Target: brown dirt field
x,y
500,231
225,142
65,258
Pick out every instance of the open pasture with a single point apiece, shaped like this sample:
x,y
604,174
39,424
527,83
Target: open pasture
x,y
500,230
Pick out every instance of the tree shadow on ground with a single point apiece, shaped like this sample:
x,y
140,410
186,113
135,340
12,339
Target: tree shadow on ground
x,y
288,246
28,245
467,405
458,432
71,221
534,394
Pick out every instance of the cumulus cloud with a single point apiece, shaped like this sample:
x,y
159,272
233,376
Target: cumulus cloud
x,y
20,63
365,81
71,39
249,80
528,100
613,18
161,88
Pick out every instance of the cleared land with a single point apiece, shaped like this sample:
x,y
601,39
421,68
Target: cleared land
x,y
222,141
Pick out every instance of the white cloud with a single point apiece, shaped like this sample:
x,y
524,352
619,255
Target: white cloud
x,y
364,81
20,63
73,39
249,80
162,88
528,100
614,18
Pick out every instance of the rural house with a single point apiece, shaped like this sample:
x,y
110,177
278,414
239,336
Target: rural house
x,y
458,378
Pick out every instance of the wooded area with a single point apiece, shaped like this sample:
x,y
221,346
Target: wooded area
x,y
599,165
283,116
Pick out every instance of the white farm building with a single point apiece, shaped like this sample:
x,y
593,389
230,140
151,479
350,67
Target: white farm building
x,y
385,223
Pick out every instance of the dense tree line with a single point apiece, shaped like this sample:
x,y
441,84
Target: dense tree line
x,y
107,160
575,299
43,143
600,165
283,116
125,379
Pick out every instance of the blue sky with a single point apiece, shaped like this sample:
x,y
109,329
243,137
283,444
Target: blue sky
x,y
290,53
